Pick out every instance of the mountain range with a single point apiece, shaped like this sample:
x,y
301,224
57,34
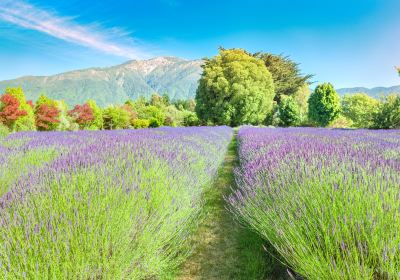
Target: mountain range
x,y
375,92
114,85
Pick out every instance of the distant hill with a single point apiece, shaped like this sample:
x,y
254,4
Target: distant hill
x,y
113,85
374,92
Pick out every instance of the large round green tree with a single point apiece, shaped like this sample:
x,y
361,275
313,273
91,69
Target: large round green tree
x,y
235,88
323,105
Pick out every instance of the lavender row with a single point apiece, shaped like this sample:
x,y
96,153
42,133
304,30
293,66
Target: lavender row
x,y
112,204
327,200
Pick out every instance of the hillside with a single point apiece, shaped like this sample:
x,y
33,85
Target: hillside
x,y
175,76
374,92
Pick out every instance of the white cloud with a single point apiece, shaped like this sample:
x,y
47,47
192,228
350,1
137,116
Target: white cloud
x,y
27,16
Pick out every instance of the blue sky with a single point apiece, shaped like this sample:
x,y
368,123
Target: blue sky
x,y
348,43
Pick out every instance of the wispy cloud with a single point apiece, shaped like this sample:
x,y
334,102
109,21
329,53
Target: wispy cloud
x,y
110,41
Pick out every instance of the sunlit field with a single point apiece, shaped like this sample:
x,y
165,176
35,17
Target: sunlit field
x,y
327,201
103,204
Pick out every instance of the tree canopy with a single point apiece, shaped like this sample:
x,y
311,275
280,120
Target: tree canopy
x,y
235,88
360,108
323,105
286,74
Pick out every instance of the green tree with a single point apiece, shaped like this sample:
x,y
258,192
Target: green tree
x,y
323,105
157,100
26,122
115,117
286,74
97,123
139,123
289,112
154,114
166,100
190,119
388,115
301,98
235,88
360,108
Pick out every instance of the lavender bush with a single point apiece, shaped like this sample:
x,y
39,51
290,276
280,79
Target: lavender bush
x,y
327,200
103,204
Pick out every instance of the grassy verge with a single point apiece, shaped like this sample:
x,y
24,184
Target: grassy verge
x,y
225,249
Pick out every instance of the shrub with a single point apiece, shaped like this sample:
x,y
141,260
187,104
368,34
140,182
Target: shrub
x,y
154,122
388,113
152,113
191,119
235,88
288,110
116,118
341,122
323,105
360,108
140,123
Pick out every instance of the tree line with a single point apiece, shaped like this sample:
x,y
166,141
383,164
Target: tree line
x,y
46,114
238,87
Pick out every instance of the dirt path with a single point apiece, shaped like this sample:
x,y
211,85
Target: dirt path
x,y
224,249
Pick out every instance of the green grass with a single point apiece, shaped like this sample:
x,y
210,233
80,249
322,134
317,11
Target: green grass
x,y
224,248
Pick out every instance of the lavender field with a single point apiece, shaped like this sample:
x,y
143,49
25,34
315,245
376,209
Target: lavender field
x,y
327,201
127,204
103,204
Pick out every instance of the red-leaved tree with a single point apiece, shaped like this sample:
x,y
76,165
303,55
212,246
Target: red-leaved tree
x,y
10,110
82,115
47,117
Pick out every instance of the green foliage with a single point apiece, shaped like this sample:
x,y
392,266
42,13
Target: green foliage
x,y
115,117
289,112
388,114
173,116
190,119
235,88
157,101
26,122
341,122
323,105
140,123
154,114
301,98
360,108
285,73
97,123
189,105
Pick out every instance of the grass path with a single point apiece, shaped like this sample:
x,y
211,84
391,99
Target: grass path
x,y
225,249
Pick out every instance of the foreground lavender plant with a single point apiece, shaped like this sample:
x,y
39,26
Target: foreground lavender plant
x,y
327,200
106,205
